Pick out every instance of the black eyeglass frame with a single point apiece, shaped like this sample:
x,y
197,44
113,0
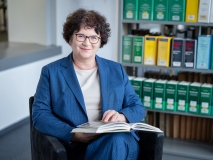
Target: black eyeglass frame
x,y
86,38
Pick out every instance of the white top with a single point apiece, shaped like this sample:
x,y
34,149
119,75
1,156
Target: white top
x,y
90,86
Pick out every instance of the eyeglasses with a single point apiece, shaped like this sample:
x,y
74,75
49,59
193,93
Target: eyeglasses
x,y
92,39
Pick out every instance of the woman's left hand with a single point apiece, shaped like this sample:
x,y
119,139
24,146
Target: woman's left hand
x,y
113,116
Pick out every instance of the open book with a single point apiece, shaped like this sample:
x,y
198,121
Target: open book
x,y
109,127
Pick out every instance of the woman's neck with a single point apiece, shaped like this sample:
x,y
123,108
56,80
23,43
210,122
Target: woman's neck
x,y
86,65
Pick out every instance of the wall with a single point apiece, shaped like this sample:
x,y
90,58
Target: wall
x,y
41,22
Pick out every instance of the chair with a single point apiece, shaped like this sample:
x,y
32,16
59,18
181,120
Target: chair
x,y
44,147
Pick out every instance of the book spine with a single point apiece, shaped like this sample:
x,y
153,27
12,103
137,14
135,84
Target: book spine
x,y
182,97
190,53
211,15
138,47
171,97
177,10
205,100
137,85
188,127
176,126
194,93
150,50
160,10
159,95
177,52
145,9
130,9
127,49
192,7
204,11
148,96
163,53
204,52
182,127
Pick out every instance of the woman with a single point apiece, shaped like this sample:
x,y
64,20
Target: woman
x,y
84,87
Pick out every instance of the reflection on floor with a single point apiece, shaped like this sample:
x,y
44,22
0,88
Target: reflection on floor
x,y
3,36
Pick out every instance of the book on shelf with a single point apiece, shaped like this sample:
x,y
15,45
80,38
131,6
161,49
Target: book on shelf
x,y
130,9
137,84
177,52
176,126
177,10
189,56
148,92
163,51
145,9
182,96
211,14
159,94
138,48
204,11
192,7
194,99
188,127
182,127
171,95
150,49
127,48
204,49
160,10
110,127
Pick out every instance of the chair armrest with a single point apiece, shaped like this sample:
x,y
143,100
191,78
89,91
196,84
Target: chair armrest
x,y
45,147
151,145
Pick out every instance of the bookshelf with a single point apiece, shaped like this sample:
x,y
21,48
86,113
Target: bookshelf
x,y
174,148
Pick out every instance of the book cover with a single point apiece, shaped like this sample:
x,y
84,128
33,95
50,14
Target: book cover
x,y
163,52
177,10
130,9
211,14
131,78
159,94
160,10
137,84
148,93
204,11
171,95
189,56
192,7
194,97
110,127
145,9
138,48
182,96
194,128
127,48
177,52
205,99
204,52
199,128
150,50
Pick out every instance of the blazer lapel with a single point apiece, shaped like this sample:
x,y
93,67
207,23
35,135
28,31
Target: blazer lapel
x,y
103,76
72,81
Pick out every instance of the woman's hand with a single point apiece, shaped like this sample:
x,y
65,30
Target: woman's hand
x,y
113,116
85,137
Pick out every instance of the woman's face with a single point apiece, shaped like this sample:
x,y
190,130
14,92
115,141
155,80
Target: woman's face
x,y
84,50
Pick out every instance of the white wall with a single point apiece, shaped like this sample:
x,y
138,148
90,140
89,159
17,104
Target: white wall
x,y
32,21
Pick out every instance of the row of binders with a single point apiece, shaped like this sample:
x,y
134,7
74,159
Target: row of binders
x,y
169,10
168,51
175,96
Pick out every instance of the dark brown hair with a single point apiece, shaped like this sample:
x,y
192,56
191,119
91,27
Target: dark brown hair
x,y
88,18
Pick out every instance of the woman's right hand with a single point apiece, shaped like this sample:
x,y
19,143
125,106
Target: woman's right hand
x,y
85,137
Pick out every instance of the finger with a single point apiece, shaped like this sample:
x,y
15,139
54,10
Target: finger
x,y
109,115
105,113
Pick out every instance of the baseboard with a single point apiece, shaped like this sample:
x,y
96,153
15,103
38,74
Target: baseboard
x,y
14,126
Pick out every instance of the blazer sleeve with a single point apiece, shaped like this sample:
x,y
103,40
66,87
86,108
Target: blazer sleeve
x,y
132,107
42,115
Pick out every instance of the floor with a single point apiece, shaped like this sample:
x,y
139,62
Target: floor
x,y
15,145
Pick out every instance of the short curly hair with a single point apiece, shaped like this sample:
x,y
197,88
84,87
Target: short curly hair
x,y
89,18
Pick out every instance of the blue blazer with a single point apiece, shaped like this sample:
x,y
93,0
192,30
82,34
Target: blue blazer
x,y
59,104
